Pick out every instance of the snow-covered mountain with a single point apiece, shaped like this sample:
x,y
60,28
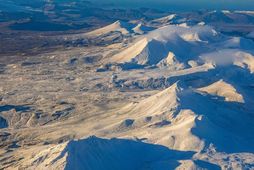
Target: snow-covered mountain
x,y
187,99
181,47
124,28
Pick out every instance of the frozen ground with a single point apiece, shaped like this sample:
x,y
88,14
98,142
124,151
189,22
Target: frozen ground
x,y
174,93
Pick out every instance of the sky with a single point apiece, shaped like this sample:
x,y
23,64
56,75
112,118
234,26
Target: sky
x,y
184,4
167,5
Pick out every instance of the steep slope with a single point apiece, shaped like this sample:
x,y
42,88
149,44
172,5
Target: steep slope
x,y
95,154
141,29
197,117
177,47
217,16
135,50
171,62
178,117
118,26
238,43
169,19
223,89
185,43
164,101
227,57
165,19
122,27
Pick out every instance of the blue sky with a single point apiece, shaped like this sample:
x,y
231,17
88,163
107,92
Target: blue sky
x,y
185,4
